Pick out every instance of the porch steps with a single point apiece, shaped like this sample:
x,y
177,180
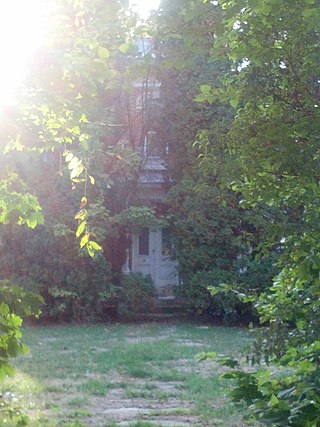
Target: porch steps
x,y
165,309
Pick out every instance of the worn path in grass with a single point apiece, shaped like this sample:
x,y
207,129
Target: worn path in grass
x,y
138,375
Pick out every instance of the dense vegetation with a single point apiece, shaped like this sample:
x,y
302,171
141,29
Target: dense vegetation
x,y
215,238
273,85
68,144
240,93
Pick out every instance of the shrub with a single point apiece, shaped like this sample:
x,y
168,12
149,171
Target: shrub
x,y
227,307
15,305
214,240
80,293
74,286
135,294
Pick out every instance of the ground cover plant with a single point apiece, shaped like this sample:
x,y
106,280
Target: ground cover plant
x,y
120,375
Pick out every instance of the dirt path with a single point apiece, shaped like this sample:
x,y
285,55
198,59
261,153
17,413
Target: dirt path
x,y
152,403
116,407
145,375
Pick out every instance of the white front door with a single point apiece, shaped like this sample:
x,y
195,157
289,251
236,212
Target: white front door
x,y
151,254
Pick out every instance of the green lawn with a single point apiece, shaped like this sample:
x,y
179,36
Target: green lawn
x,y
125,375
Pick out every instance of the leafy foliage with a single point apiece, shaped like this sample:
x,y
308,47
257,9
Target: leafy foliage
x,y
74,286
274,141
15,305
71,102
136,295
16,204
282,395
246,89
137,217
214,237
62,126
73,105
213,241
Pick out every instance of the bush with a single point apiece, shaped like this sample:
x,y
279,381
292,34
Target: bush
x,y
15,305
74,286
227,307
136,295
214,240
80,293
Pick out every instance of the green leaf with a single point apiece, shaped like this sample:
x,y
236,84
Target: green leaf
x,y
77,180
95,245
234,102
230,375
90,250
228,361
68,155
214,290
84,240
77,171
81,215
205,89
124,47
81,228
274,400
207,355
200,98
32,223
83,119
103,52
84,201
74,162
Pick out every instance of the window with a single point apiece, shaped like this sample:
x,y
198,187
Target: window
x,y
144,241
152,147
139,103
144,46
146,99
167,245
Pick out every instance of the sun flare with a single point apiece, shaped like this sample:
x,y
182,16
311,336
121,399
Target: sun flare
x,y
143,7
23,28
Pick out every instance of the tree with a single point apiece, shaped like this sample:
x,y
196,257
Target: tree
x,y
213,236
66,115
273,83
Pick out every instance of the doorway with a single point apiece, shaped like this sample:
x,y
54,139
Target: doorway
x,y
152,252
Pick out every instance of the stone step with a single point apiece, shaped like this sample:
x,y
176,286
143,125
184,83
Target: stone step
x,y
168,305
159,316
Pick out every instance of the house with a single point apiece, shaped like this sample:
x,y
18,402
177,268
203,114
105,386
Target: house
x,y
150,251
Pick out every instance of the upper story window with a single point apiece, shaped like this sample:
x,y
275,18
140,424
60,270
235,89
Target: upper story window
x,y
139,103
151,145
147,98
144,46
144,241
154,147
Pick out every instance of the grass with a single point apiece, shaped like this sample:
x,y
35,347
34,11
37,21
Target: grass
x,y
94,387
101,375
